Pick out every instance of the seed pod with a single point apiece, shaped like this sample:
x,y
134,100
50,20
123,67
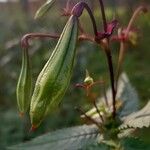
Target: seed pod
x,y
24,86
54,78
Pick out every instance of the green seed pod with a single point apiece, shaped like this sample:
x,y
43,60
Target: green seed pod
x,y
54,78
24,86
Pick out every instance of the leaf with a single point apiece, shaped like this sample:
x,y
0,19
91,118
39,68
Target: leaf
x,y
128,132
44,8
126,95
138,119
73,138
134,144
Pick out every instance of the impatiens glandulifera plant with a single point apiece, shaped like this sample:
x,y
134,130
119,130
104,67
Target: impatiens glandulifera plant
x,y
112,117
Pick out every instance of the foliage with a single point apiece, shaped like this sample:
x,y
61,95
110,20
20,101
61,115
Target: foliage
x,y
70,138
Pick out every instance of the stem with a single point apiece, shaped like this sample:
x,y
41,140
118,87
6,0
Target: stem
x,y
111,72
68,4
122,44
88,117
26,37
120,61
101,117
135,14
78,10
87,38
103,15
105,96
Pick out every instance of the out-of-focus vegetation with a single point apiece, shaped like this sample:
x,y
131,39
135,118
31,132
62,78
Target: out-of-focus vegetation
x,y
14,23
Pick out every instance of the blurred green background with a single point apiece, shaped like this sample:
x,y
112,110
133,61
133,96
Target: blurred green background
x,y
17,19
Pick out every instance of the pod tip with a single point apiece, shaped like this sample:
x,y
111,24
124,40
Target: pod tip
x,y
33,128
21,114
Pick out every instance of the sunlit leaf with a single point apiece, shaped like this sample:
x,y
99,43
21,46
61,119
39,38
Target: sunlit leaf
x,y
66,139
138,119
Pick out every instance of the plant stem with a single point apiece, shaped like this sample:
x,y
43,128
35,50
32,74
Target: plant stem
x,y
122,44
135,14
78,10
68,4
111,72
26,37
105,95
120,61
103,15
101,117
88,117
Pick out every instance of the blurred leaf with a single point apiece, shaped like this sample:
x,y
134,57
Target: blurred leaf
x,y
126,133
134,144
66,139
44,8
138,119
128,95
11,128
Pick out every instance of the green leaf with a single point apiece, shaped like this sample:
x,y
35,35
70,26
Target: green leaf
x,y
134,144
44,8
138,119
73,138
126,132
126,95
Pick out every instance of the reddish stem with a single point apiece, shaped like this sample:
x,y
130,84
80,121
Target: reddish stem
x,y
26,37
135,14
103,15
111,72
78,10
